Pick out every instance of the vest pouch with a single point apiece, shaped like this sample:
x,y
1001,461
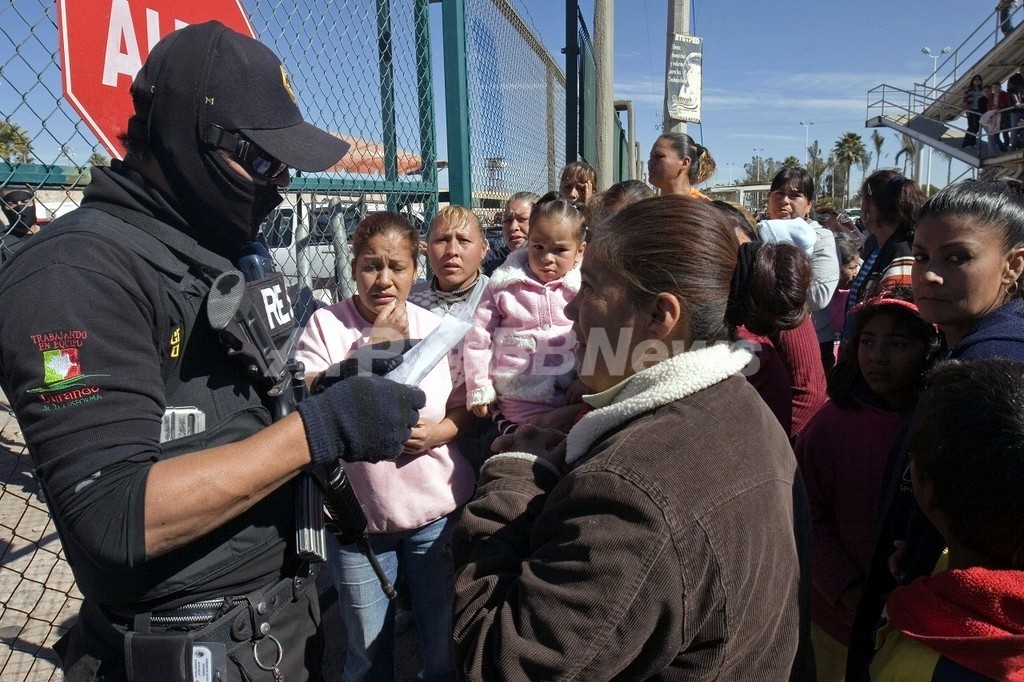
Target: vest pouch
x,y
230,429
158,656
205,560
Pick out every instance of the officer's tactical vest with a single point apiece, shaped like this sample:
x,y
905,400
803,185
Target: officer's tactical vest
x,y
198,373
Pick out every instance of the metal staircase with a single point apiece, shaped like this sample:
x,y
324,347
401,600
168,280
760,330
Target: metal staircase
x,y
932,113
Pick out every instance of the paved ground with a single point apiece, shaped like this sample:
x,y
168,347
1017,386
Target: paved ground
x,y
38,597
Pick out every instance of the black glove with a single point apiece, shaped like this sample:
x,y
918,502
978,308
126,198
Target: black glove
x,y
362,419
379,358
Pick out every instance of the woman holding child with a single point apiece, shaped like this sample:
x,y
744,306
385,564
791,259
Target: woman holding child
x,y
653,540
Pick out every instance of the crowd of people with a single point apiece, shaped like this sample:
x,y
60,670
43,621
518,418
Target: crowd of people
x,y
998,113
676,442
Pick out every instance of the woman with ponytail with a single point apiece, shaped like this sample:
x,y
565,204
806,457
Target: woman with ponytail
x,y
678,164
766,299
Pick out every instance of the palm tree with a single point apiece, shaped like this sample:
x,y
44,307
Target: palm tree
x,y
815,164
15,144
865,163
877,139
849,149
832,172
907,150
949,164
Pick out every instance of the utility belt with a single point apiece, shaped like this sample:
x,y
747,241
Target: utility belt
x,y
201,641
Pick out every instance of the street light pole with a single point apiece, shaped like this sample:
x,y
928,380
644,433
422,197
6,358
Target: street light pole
x,y
807,139
931,94
757,162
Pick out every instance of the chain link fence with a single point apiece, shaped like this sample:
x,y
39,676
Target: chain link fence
x,y
38,597
516,106
360,68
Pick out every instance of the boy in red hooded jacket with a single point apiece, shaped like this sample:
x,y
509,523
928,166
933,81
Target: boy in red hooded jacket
x,y
967,462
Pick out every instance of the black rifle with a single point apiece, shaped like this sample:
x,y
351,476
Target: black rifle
x,y
245,327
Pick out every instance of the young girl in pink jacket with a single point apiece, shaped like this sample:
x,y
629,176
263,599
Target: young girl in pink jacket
x,y
519,355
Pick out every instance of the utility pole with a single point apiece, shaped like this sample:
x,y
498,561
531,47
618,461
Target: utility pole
x,y
604,50
678,23
807,140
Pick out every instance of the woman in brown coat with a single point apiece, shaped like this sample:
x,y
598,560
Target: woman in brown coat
x,y
658,538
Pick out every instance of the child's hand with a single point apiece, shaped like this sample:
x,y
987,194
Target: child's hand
x,y
391,324
422,438
481,410
574,394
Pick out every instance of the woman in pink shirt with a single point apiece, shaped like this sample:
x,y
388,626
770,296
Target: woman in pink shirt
x,y
410,502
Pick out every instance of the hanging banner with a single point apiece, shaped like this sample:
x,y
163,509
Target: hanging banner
x,y
683,80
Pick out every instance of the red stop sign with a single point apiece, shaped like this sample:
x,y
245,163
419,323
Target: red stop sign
x,y
104,43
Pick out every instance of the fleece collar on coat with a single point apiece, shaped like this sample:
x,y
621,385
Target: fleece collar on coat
x,y
665,382
516,270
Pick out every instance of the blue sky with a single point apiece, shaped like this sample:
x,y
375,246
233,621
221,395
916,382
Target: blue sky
x,y
768,66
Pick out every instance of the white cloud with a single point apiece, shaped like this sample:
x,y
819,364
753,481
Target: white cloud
x,y
642,91
835,82
765,138
778,101
773,92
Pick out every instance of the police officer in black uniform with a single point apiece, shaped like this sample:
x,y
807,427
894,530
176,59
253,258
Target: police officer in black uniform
x,y
173,493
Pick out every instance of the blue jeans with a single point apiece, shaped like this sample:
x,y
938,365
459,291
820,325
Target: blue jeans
x,y
424,558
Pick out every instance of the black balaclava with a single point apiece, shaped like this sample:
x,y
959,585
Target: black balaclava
x,y
223,209
19,218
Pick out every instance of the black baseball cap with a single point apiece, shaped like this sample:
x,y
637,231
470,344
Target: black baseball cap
x,y
236,83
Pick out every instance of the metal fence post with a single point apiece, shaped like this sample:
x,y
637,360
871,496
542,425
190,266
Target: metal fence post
x,y
387,96
572,81
425,92
550,126
453,21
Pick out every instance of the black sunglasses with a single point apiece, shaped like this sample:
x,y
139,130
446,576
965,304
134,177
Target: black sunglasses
x,y
259,162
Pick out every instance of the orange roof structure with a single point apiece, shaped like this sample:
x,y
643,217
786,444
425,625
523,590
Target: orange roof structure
x,y
367,158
